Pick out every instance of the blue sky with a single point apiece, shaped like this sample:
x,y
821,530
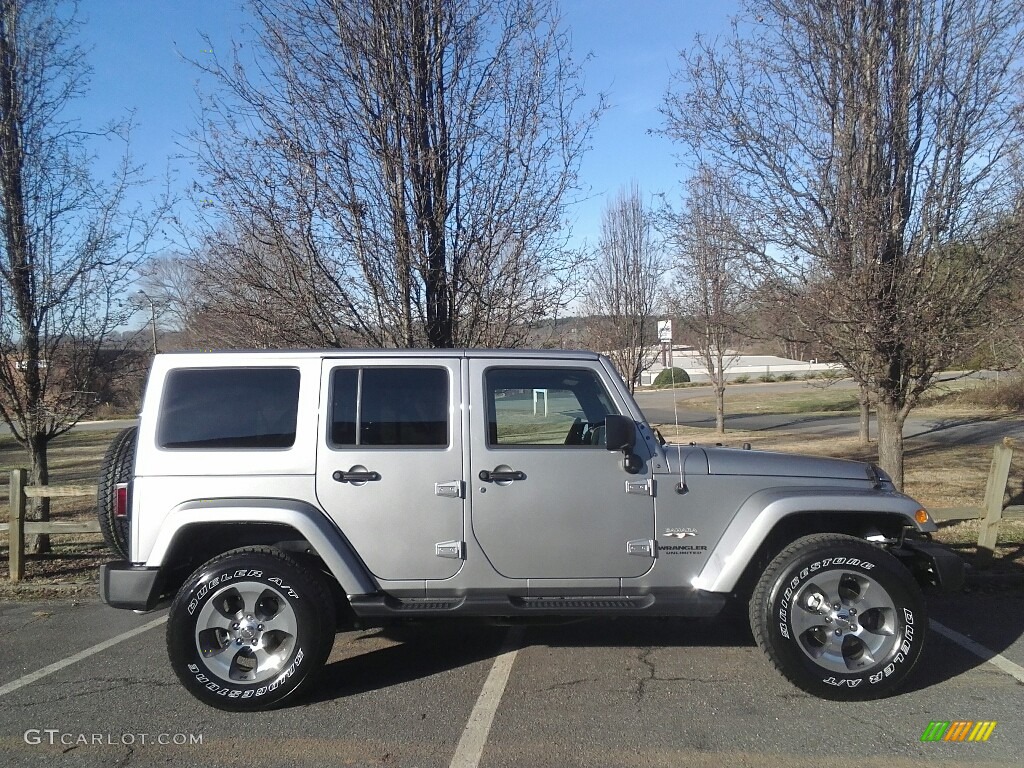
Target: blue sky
x,y
135,47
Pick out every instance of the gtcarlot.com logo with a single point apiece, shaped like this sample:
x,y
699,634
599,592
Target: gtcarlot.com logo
x,y
958,730
55,736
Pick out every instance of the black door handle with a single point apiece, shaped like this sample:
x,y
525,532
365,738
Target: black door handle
x,y
499,476
355,477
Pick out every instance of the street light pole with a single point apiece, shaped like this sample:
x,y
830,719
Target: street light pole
x,y
152,314
152,310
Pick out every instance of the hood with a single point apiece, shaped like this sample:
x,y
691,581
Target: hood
x,y
733,461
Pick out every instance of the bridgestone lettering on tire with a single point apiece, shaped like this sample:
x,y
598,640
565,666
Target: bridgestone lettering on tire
x,y
839,617
250,628
117,467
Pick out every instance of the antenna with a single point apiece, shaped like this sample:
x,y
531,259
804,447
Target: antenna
x,y
681,485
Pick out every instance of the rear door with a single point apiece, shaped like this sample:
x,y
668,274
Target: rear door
x,y
548,500
390,463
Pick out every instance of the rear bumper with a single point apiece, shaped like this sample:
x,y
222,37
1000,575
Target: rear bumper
x,y
134,587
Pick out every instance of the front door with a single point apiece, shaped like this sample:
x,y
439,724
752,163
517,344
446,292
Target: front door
x,y
390,464
548,500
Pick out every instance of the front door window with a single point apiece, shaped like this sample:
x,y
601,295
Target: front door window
x,y
546,407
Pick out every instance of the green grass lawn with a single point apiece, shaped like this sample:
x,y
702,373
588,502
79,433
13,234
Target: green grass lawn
x,y
815,397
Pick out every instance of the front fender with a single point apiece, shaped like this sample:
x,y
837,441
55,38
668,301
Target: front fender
x,y
308,521
763,510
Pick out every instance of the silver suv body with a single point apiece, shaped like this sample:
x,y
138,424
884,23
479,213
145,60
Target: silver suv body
x,y
403,484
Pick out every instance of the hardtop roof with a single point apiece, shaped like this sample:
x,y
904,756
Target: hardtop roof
x,y
331,353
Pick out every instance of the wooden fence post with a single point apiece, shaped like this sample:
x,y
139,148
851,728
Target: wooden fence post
x,y
988,533
15,533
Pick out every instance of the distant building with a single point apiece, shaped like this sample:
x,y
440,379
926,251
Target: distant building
x,y
736,364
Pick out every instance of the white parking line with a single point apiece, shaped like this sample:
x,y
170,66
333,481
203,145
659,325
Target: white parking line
x,y
21,682
474,737
979,650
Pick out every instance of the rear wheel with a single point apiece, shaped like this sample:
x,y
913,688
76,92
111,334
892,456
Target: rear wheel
x,y
250,628
839,617
117,466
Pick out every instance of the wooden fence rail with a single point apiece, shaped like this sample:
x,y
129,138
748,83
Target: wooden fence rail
x,y
991,511
18,527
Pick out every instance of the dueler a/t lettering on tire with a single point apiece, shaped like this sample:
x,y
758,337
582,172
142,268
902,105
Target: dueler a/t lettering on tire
x,y
250,628
839,617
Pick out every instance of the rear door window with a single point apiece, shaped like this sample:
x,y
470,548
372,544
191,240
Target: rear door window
x,y
389,407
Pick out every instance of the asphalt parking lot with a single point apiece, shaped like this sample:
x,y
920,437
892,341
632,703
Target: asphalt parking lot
x,y
589,693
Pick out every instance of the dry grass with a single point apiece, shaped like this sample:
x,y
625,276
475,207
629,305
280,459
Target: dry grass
x,y
70,568
958,398
1006,394
813,399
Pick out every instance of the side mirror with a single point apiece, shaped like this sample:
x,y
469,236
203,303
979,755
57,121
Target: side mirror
x,y
619,433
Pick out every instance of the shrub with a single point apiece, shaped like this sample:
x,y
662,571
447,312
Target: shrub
x,y
741,379
787,377
671,375
766,378
1007,394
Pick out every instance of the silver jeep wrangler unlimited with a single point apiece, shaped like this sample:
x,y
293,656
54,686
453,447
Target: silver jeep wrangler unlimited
x,y
275,497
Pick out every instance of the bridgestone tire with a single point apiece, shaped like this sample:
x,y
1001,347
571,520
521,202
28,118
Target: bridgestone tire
x,y
250,628
839,617
117,466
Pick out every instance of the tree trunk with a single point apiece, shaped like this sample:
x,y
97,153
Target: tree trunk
x,y
890,441
864,400
38,543
720,409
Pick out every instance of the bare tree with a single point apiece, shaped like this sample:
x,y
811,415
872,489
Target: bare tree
x,y
875,143
786,322
769,318
170,282
711,251
237,292
408,163
68,247
623,292
258,292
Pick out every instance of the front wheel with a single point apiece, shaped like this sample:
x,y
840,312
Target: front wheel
x,y
839,617
249,628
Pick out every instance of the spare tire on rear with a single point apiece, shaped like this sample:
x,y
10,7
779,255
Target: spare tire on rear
x,y
117,466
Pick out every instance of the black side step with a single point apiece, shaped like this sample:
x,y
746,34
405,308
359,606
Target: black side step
x,y
381,605
674,603
573,604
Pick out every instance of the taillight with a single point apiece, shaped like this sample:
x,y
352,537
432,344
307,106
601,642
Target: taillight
x,y
121,500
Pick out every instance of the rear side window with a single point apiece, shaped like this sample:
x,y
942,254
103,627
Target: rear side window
x,y
229,408
389,406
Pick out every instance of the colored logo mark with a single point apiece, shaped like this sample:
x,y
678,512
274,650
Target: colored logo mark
x,y
959,730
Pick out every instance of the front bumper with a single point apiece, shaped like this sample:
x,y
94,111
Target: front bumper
x,y
135,587
933,564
